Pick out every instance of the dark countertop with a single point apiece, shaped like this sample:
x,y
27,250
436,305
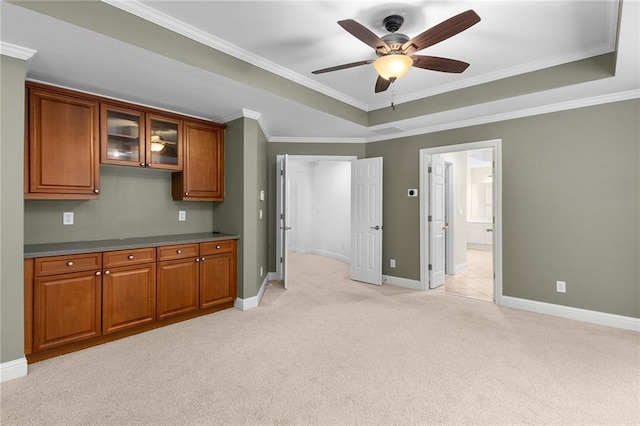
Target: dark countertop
x,y
77,247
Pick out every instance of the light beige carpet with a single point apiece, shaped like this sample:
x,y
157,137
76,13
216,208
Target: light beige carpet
x,y
332,351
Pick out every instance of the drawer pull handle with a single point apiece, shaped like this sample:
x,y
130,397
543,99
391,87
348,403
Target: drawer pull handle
x,y
218,247
179,251
69,263
130,257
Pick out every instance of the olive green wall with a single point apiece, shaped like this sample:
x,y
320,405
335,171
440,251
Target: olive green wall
x,y
245,176
275,149
11,216
571,204
132,203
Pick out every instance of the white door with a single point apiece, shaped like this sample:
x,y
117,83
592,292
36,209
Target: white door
x,y
436,222
366,220
283,197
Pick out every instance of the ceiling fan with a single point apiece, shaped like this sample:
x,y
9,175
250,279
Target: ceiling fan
x,y
396,52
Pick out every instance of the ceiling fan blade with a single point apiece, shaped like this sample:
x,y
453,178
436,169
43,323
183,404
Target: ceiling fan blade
x,y
342,67
365,35
435,63
382,84
442,31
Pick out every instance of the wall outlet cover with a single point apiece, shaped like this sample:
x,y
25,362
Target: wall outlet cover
x,y
67,218
182,215
561,286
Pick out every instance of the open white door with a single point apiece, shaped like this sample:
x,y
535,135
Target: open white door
x,y
436,221
283,197
366,220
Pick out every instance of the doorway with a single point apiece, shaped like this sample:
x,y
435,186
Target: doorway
x,y
471,207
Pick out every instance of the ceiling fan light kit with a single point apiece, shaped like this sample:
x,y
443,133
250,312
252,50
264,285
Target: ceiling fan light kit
x,y
391,67
396,52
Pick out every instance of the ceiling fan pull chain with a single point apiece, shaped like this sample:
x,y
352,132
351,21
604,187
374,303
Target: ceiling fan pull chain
x,y
393,99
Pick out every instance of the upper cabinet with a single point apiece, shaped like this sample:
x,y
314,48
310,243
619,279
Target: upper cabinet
x,y
203,176
61,145
133,137
70,133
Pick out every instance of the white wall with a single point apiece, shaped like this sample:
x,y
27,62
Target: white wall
x,y
320,208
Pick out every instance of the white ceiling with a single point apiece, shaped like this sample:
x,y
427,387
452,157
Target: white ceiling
x,y
293,38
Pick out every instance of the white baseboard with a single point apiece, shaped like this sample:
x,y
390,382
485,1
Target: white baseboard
x,y
401,282
594,317
325,253
13,369
254,302
462,267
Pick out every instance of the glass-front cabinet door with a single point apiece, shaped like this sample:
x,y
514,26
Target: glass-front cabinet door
x,y
164,142
122,139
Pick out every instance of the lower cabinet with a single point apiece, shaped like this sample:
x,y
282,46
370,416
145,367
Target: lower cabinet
x,y
178,280
217,272
80,300
67,309
128,297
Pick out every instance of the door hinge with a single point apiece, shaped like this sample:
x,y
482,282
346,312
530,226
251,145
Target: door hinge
x,y
281,260
429,169
430,267
281,172
429,219
281,216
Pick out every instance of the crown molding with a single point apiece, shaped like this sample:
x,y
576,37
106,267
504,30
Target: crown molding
x,y
247,113
15,51
293,139
145,12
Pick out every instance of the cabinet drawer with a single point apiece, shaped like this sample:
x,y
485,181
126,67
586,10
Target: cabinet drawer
x,y
215,247
70,263
129,257
177,252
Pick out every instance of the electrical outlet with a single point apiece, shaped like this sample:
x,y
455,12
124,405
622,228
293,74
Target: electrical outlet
x,y
392,263
260,213
412,192
182,215
67,218
261,271
561,286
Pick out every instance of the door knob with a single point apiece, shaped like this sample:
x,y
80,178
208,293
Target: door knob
x,y
377,227
489,230
445,227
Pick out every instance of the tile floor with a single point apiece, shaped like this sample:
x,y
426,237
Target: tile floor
x,y
477,281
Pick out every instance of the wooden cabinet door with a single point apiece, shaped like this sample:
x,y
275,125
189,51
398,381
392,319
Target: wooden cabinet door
x,y
203,176
66,309
63,146
122,139
164,142
217,279
128,297
177,287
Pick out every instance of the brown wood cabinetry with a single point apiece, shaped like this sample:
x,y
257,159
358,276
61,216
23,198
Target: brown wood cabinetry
x,y
218,273
129,291
66,306
76,301
178,280
203,176
62,145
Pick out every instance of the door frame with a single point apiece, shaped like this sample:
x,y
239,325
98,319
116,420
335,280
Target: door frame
x,y
449,266
279,158
496,145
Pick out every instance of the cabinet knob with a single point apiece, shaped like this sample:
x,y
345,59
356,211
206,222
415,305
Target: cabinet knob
x,y
97,191
69,263
197,259
148,165
130,257
179,251
186,193
218,247
98,273
107,272
202,258
142,165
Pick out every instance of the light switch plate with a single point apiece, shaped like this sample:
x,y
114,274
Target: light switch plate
x,y
182,215
262,195
67,218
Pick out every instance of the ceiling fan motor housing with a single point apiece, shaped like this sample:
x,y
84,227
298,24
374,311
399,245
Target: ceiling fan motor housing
x,y
393,23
